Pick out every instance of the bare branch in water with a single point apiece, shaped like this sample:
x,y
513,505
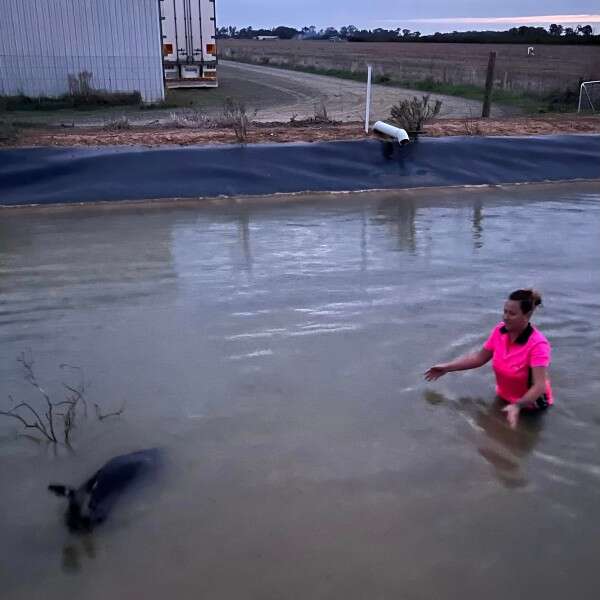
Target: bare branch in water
x,y
63,413
31,378
39,424
101,416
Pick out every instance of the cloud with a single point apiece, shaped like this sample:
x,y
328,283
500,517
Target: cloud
x,y
531,20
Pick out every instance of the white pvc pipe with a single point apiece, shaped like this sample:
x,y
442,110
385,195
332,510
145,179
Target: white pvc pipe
x,y
368,107
392,131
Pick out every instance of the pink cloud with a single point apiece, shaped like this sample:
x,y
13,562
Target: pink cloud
x,y
531,20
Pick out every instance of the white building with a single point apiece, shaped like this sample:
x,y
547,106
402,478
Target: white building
x,y
45,46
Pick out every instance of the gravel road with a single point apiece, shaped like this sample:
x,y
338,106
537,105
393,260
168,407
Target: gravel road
x,y
299,94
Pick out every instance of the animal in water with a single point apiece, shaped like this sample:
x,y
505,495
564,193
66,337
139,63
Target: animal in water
x,y
91,503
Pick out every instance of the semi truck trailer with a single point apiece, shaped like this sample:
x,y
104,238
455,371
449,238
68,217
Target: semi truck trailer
x,y
189,43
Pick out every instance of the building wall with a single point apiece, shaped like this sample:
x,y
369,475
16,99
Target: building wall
x,y
43,42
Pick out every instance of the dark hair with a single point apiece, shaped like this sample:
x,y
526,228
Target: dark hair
x,y
527,299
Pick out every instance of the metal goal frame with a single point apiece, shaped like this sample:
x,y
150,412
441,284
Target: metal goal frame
x,y
583,90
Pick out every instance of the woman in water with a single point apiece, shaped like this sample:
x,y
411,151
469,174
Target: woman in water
x,y
521,357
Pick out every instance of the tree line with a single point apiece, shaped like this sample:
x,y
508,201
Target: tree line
x,y
555,34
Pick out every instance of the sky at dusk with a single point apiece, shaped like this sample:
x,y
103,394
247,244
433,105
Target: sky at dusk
x,y
435,15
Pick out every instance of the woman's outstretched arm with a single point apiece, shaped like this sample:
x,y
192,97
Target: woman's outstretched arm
x,y
470,361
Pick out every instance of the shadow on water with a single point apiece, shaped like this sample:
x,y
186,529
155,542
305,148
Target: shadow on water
x,y
477,225
503,448
78,548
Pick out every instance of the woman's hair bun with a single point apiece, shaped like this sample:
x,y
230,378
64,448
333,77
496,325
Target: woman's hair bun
x,y
528,298
536,297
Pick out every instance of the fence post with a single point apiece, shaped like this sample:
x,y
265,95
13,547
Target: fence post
x,y
368,107
489,84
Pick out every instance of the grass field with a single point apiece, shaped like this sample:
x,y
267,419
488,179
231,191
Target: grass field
x,y
457,69
529,102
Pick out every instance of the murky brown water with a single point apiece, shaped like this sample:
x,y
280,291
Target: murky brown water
x,y
276,352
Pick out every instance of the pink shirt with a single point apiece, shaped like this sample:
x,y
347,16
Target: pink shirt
x,y
512,361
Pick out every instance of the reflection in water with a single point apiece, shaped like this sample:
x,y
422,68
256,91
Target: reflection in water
x,y
80,546
503,447
477,224
518,442
400,214
244,229
364,249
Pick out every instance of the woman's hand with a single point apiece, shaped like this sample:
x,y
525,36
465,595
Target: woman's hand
x,y
435,372
512,414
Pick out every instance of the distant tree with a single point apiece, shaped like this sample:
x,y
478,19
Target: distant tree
x,y
285,33
585,30
347,31
555,33
555,29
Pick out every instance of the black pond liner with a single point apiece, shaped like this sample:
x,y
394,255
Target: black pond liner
x,y
63,175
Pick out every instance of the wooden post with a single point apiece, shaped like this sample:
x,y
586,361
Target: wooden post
x,y
489,84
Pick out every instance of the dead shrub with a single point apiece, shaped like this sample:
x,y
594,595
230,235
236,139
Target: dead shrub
x,y
236,117
117,124
80,84
189,119
321,115
8,132
472,126
411,114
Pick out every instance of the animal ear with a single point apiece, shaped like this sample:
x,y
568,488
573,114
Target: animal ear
x,y
60,490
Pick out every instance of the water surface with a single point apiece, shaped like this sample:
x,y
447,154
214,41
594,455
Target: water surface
x,y
276,351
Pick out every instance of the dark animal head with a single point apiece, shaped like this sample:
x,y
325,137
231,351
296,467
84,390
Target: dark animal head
x,y
91,503
78,516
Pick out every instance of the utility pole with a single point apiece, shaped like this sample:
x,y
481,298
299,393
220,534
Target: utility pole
x,y
489,84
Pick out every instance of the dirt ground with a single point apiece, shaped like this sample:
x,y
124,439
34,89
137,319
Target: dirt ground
x,y
308,131
285,103
269,94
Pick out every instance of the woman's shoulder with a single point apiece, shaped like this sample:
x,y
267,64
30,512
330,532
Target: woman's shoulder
x,y
538,337
494,336
498,327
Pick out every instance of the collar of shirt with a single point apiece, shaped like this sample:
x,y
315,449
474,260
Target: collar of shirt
x,y
523,336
